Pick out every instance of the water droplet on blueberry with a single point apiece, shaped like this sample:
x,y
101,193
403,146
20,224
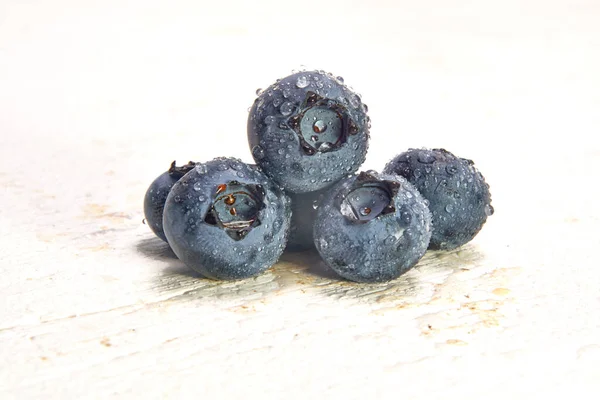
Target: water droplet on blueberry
x,y
451,169
390,240
286,108
354,101
302,82
319,126
258,152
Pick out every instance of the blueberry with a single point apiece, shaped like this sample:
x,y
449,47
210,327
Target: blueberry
x,y
372,228
308,130
459,198
156,195
227,220
304,211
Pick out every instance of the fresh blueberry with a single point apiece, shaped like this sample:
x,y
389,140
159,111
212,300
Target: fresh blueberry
x,y
371,227
304,211
459,198
227,220
156,195
308,130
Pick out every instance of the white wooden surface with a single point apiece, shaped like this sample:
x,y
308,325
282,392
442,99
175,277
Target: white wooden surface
x,y
98,97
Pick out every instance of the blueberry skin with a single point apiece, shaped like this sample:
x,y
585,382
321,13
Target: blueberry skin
x,y
372,228
304,212
156,196
207,233
459,198
308,130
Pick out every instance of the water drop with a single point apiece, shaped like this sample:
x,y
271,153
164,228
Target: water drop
x,y
286,108
354,101
197,186
202,198
451,169
489,210
258,91
319,127
406,218
286,92
200,168
258,152
339,79
302,82
390,240
277,102
270,119
449,208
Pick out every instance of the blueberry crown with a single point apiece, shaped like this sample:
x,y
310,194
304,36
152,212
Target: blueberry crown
x,y
369,197
236,207
322,124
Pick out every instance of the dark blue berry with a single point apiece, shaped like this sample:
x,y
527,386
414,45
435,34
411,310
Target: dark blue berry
x,y
304,211
308,130
459,198
156,195
227,220
371,227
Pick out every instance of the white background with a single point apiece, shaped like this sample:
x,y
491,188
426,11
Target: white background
x,y
98,97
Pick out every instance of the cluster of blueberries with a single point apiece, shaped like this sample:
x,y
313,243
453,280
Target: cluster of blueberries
x,y
309,134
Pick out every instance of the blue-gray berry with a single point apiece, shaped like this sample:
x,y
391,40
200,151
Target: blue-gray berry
x,y
372,228
459,198
308,130
156,196
227,220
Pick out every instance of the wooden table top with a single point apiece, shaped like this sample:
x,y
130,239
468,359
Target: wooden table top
x,y
98,97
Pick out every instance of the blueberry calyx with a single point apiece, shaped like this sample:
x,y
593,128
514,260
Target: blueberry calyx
x,y
178,172
322,125
235,208
369,198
